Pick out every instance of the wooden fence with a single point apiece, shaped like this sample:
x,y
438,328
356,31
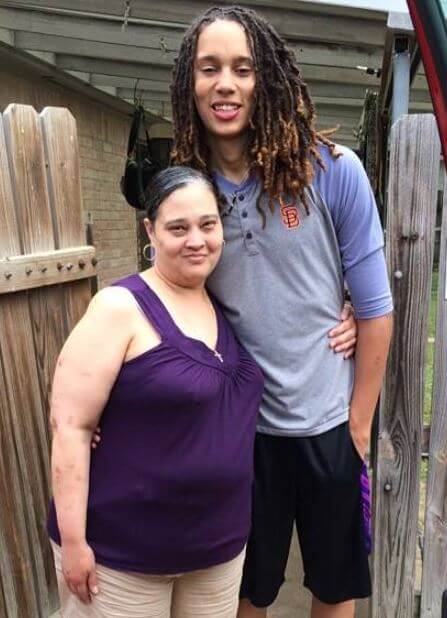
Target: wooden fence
x,y
44,289
411,218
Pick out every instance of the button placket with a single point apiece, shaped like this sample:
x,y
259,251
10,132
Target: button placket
x,y
247,231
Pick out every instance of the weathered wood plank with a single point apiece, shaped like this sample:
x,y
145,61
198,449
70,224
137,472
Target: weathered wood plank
x,y
17,599
413,182
28,439
41,269
61,146
27,164
62,154
434,574
9,244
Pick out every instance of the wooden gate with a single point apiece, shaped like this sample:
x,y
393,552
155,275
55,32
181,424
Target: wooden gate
x,y
44,289
413,191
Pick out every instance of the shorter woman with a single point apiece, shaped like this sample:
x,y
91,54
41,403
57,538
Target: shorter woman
x,y
156,523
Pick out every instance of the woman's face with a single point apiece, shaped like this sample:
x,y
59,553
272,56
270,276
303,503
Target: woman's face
x,y
187,235
224,79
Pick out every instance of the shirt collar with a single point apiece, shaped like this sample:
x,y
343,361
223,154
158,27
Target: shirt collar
x,y
227,186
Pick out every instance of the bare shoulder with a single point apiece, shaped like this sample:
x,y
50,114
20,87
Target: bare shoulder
x,y
113,303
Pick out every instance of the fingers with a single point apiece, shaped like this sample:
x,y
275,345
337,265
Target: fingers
x,y
348,325
346,346
96,438
347,311
83,593
342,338
79,589
93,582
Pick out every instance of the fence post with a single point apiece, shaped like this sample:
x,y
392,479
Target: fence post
x,y
412,188
434,575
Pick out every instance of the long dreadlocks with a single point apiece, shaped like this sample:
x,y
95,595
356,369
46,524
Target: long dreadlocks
x,y
283,142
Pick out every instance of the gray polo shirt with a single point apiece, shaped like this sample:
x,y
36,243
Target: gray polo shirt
x,y
282,289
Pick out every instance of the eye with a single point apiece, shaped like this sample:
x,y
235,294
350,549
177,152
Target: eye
x,y
209,225
177,229
243,71
208,70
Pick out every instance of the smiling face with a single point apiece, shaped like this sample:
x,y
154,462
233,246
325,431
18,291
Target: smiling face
x,y
224,79
187,235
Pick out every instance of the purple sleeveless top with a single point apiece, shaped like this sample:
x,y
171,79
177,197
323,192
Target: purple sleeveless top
x,y
170,483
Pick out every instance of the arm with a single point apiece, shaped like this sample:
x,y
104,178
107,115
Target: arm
x,y
86,370
373,342
346,189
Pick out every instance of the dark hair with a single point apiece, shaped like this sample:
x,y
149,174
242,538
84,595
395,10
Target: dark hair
x,y
283,142
169,180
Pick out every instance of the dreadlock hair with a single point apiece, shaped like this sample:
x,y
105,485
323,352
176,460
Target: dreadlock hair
x,y
282,140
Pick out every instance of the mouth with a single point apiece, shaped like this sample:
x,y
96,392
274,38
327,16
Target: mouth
x,y
225,111
195,257
225,107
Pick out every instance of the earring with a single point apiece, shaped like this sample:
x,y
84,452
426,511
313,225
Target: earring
x,y
151,257
224,242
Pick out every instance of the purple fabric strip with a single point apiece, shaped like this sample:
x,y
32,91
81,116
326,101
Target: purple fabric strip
x,y
366,507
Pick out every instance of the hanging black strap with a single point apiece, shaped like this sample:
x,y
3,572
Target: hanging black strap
x,y
139,168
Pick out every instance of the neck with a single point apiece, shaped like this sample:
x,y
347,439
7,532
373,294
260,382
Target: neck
x,y
229,158
192,290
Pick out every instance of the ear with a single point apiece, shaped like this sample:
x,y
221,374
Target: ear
x,y
149,227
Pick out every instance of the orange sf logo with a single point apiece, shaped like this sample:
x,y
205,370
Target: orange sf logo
x,y
289,214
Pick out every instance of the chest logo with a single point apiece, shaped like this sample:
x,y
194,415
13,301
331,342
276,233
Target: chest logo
x,y
289,214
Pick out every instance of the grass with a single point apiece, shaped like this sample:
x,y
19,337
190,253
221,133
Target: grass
x,y
430,352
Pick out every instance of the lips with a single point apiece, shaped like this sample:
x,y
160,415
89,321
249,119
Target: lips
x,y
225,111
196,257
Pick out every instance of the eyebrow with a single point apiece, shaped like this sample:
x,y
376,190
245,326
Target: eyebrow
x,y
202,218
211,58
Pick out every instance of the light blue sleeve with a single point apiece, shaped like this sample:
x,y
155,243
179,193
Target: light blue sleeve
x,y
346,190
369,288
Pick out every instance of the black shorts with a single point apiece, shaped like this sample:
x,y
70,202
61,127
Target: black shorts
x,y
314,482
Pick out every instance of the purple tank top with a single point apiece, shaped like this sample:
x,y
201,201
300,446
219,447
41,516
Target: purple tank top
x,y
170,484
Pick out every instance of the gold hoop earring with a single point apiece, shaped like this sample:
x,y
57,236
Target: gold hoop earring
x,y
151,257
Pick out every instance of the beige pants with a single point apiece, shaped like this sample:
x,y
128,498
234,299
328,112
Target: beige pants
x,y
210,593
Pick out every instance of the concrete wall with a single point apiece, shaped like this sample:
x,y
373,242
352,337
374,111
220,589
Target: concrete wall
x,y
102,134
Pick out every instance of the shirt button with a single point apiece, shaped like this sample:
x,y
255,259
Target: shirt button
x,y
244,214
241,197
248,235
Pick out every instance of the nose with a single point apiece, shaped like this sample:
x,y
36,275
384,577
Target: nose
x,y
195,239
225,83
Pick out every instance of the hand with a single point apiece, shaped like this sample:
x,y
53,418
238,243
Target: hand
x,y
344,336
360,440
79,570
96,437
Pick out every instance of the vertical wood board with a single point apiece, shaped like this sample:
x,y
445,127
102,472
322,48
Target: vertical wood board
x,y
9,242
27,164
413,181
434,573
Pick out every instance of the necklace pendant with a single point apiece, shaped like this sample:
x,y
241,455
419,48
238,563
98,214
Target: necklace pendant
x,y
218,355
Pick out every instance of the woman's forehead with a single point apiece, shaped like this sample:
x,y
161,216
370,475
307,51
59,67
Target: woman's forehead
x,y
193,199
223,35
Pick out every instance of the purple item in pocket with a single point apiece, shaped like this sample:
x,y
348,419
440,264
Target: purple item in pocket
x,y
366,506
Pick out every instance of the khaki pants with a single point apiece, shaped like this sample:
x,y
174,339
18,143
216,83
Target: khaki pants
x,y
210,593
